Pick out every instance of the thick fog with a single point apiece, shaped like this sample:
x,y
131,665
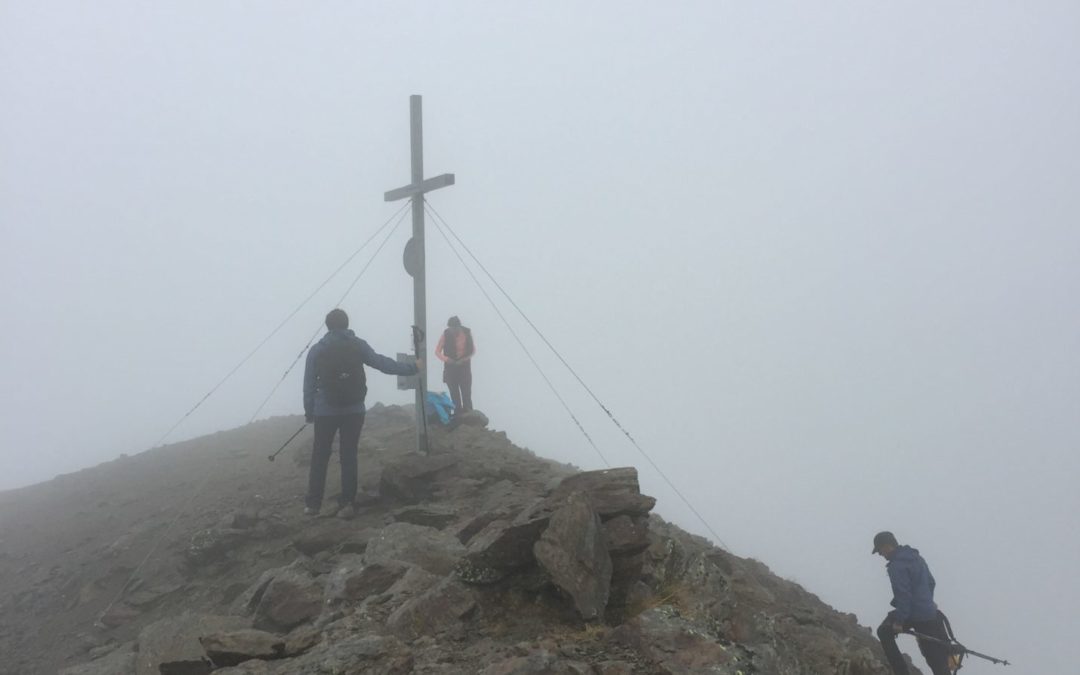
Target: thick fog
x,y
822,260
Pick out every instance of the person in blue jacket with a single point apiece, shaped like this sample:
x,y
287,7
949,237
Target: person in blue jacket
x,y
913,606
335,386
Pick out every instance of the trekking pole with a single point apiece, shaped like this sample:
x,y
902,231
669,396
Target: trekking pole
x,y
271,457
417,338
957,647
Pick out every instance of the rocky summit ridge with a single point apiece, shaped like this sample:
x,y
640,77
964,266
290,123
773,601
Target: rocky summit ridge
x,y
478,558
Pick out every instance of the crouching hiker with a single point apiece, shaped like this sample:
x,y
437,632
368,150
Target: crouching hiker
x,y
335,386
914,607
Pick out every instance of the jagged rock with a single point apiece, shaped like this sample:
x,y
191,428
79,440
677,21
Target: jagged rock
x,y
249,599
665,560
626,535
502,501
118,615
540,662
712,578
437,517
504,547
472,418
118,663
241,518
363,655
143,598
676,645
171,646
440,608
613,492
414,583
573,552
411,478
626,574
374,654
627,540
291,598
109,649
253,667
435,551
235,647
213,544
354,579
614,668
312,542
300,640
473,526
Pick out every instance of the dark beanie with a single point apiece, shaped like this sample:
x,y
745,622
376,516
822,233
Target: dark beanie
x,y
337,318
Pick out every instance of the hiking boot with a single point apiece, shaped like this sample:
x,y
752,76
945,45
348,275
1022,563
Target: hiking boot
x,y
310,511
347,512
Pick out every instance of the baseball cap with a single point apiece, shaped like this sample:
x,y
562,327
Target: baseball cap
x,y
882,538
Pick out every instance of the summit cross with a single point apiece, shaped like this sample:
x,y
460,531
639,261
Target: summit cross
x,y
414,251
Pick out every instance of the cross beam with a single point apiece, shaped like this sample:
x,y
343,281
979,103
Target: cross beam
x,y
428,185
414,250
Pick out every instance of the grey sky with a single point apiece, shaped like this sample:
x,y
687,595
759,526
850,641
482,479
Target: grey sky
x,y
821,259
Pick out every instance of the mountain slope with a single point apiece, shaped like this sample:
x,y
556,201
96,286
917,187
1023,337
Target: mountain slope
x,y
480,557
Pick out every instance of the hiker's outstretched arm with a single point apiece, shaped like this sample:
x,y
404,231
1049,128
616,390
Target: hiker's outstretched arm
x,y
385,364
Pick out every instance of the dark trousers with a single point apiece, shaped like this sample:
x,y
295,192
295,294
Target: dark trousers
x,y
458,377
326,426
936,655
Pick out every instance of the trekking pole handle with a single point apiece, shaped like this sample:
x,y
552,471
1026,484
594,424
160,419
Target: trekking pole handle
x,y
418,336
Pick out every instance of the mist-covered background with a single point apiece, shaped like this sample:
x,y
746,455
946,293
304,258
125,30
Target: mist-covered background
x,y
821,259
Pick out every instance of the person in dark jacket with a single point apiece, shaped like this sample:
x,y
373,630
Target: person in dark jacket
x,y
335,386
913,606
455,349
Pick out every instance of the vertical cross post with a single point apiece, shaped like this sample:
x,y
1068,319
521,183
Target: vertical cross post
x,y
414,251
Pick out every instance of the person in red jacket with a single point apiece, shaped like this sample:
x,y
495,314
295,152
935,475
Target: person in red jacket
x,y
455,349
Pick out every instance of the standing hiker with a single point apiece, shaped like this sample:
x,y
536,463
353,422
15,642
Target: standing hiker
x,y
334,389
456,349
914,608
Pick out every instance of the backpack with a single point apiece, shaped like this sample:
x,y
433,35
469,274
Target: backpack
x,y
340,372
450,343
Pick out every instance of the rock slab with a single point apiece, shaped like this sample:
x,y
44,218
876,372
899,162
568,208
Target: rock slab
x,y
613,492
440,608
291,598
171,646
411,478
573,551
118,663
354,579
435,551
234,647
